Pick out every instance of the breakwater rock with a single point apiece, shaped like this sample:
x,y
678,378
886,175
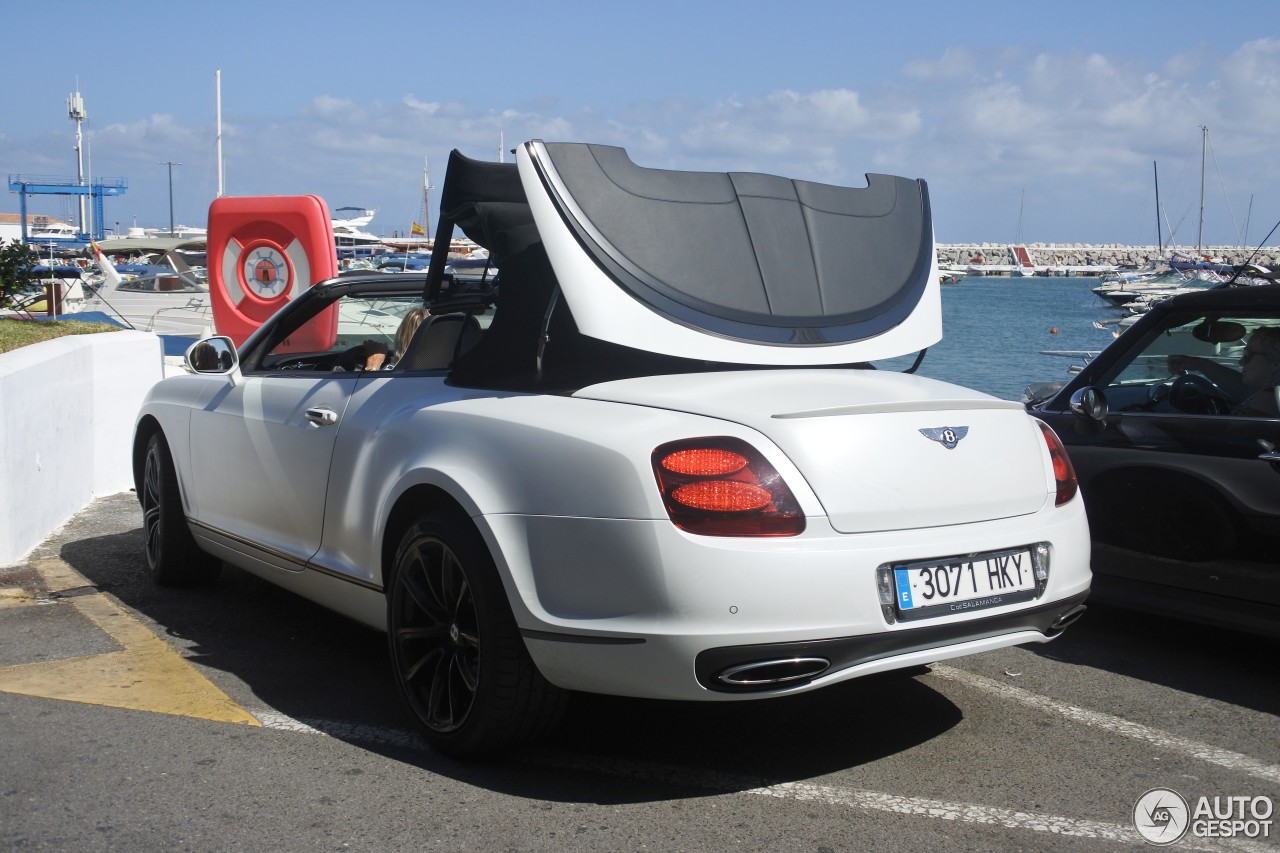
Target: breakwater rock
x,y
1077,255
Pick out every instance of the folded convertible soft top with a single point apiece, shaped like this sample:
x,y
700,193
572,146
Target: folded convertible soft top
x,y
734,267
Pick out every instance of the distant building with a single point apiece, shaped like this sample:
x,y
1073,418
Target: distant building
x,y
11,225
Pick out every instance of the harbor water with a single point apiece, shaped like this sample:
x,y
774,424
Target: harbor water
x,y
995,329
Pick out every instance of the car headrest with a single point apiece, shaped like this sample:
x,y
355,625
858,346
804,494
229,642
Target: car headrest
x,y
438,341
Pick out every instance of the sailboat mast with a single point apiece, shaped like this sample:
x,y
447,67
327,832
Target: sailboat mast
x,y
217,85
426,195
1244,236
1021,203
1204,145
1159,235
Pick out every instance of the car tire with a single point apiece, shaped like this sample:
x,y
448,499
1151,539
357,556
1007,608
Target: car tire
x,y
459,660
173,558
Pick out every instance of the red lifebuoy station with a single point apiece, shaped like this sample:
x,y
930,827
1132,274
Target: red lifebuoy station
x,y
263,251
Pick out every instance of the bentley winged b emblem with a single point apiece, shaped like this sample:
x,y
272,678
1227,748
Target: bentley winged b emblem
x,y
948,437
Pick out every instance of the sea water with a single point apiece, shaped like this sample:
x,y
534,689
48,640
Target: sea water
x,y
995,330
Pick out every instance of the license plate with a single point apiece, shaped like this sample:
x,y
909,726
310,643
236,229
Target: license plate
x,y
962,584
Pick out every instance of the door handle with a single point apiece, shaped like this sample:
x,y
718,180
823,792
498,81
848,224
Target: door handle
x,y
319,416
1270,456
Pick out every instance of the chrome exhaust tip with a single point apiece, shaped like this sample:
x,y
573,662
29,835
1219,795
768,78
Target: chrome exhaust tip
x,y
1068,618
771,673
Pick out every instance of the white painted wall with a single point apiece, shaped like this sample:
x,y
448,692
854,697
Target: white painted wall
x,y
67,409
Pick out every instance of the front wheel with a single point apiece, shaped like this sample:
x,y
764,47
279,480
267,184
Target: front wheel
x,y
457,654
173,558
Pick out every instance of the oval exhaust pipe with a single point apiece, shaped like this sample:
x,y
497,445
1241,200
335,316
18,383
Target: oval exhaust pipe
x,y
770,673
1067,618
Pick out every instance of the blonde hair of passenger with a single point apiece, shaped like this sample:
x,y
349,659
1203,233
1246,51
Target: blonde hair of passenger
x,y
408,326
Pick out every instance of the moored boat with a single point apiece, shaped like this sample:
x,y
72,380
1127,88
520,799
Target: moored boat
x,y
167,294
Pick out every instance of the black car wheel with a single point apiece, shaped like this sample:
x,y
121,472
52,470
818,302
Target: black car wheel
x,y
173,558
459,660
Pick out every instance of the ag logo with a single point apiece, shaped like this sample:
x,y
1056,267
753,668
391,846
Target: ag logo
x,y
1161,816
948,437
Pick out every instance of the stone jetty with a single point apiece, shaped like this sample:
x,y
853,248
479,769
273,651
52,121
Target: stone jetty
x,y
1078,255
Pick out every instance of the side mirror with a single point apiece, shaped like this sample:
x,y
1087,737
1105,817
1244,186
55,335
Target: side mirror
x,y
212,355
1091,403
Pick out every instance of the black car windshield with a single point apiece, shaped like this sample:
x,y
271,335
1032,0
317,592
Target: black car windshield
x,y
1201,363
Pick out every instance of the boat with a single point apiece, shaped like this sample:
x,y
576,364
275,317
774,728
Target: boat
x,y
54,234
352,217
167,292
1186,263
1022,263
404,262
64,283
349,237
1138,288
1198,263
1018,254
1121,288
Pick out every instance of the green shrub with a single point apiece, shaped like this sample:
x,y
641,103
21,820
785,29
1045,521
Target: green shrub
x,y
17,274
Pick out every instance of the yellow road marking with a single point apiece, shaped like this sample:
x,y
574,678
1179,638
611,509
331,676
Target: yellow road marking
x,y
144,675
12,597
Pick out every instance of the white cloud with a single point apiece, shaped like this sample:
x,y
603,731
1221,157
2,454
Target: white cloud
x,y
1077,130
955,62
416,105
1250,80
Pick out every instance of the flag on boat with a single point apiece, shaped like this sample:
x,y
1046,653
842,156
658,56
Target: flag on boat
x,y
417,230
110,276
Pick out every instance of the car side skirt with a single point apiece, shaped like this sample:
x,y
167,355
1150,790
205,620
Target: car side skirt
x,y
349,596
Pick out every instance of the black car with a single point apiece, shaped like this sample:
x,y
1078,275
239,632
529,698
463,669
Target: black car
x,y
1174,434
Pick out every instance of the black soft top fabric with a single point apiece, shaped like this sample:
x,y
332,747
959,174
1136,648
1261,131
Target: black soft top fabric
x,y
486,201
749,256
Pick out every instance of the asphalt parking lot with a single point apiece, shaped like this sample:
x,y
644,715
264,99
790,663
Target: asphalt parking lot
x,y
238,717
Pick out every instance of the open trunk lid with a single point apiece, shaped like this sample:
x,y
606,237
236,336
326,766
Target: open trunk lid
x,y
735,267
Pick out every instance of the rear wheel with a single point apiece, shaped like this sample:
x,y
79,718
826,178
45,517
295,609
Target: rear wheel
x,y
173,558
458,657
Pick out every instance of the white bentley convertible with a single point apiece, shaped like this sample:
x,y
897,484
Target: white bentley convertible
x,y
650,458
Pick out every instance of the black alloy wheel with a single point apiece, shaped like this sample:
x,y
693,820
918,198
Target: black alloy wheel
x,y
458,657
173,557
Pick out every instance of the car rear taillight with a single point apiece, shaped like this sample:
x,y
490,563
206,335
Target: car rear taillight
x,y
723,487
1063,473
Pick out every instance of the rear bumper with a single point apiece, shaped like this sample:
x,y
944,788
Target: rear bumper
x,y
723,669
638,608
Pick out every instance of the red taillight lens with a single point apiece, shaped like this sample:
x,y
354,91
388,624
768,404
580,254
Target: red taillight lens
x,y
704,462
723,487
1063,472
722,496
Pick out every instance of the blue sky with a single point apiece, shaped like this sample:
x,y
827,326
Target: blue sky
x,y
1026,119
